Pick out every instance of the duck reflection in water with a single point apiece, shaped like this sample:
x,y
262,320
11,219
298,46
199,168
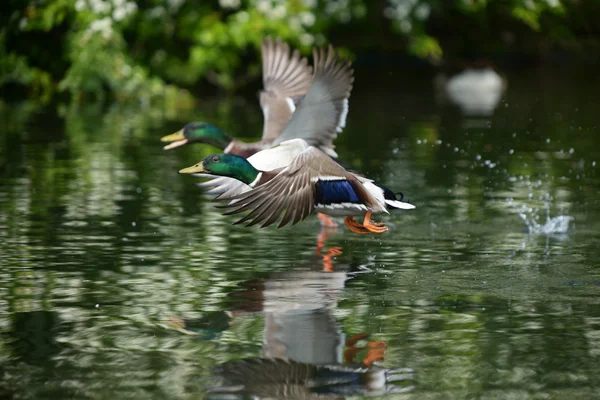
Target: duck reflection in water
x,y
305,353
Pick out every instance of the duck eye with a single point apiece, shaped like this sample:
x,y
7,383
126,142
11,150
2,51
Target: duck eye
x,y
215,159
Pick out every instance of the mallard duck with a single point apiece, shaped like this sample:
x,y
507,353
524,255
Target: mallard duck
x,y
318,119
312,181
286,79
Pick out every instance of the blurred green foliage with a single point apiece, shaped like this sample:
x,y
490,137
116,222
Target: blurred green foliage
x,y
157,50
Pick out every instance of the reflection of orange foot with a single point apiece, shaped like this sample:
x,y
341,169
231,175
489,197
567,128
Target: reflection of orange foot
x,y
326,221
376,352
375,349
328,258
321,239
355,226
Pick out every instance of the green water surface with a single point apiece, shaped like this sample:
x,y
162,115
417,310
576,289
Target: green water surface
x,y
118,280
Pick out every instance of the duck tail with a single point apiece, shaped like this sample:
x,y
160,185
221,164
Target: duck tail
x,y
392,201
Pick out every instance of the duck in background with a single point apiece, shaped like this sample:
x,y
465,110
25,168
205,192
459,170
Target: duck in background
x,y
475,87
286,79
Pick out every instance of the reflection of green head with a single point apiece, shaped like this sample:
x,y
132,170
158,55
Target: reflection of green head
x,y
225,165
198,132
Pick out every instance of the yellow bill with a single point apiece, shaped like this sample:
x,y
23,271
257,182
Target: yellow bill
x,y
194,169
177,139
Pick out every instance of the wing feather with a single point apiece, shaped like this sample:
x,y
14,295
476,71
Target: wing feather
x,y
285,77
322,113
222,185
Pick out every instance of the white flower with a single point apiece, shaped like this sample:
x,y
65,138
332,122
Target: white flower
x,y
263,6
331,7
131,7
307,39
157,12
402,10
229,4
102,26
243,17
174,4
99,6
278,12
307,18
422,11
80,5
119,13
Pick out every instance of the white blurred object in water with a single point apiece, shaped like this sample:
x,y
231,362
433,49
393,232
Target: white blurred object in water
x,y
476,91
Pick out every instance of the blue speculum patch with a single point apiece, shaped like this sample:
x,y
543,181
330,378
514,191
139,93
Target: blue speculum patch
x,y
328,192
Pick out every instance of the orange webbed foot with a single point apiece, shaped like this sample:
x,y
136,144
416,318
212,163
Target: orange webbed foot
x,y
355,226
375,227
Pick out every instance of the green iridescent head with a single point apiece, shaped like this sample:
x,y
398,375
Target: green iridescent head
x,y
197,132
225,165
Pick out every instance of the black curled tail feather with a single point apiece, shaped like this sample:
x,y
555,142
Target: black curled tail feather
x,y
389,195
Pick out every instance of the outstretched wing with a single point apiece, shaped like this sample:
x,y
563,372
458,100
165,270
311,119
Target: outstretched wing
x,y
286,77
222,186
321,114
293,191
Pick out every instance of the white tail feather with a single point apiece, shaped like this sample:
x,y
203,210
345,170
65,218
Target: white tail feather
x,y
399,204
